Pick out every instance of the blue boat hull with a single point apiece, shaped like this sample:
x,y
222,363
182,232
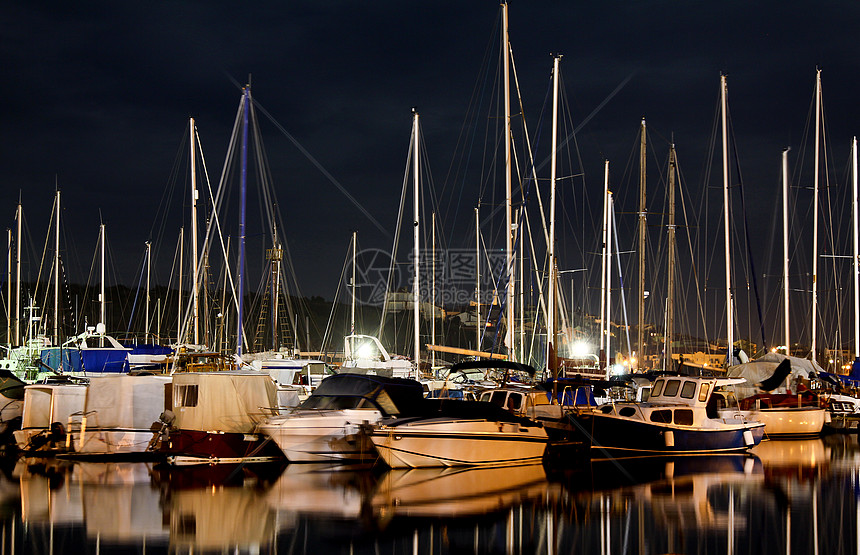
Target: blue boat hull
x,y
90,361
619,434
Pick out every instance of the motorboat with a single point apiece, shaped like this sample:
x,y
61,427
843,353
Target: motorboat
x,y
774,392
457,433
326,426
680,416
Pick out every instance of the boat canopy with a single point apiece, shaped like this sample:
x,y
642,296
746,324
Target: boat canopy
x,y
401,392
231,402
124,401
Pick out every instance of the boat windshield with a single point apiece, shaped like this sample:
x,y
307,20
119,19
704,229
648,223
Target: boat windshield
x,y
336,402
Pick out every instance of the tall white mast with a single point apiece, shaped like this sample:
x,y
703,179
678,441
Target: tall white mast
x,y
729,304
785,249
102,277
416,287
509,245
352,305
609,216
603,259
195,299
148,275
856,266
640,326
57,275
550,311
815,217
180,337
18,218
478,322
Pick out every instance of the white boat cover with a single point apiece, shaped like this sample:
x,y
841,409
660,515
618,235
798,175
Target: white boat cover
x,y
234,401
758,370
44,404
124,401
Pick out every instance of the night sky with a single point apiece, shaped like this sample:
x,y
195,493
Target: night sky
x,y
97,97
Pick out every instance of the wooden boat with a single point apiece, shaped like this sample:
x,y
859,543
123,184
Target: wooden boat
x,y
680,416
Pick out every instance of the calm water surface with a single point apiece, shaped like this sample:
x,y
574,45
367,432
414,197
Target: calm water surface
x,y
786,497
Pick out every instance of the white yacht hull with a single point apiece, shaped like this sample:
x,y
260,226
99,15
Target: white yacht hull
x,y
322,435
449,442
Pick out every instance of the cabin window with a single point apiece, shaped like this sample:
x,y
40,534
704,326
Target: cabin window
x,y
655,391
514,402
689,390
662,416
186,395
684,417
671,388
703,392
498,398
626,411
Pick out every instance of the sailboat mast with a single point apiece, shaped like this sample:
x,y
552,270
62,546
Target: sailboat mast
x,y
416,286
18,218
57,275
670,293
509,246
180,337
102,276
603,285
433,294
352,304
551,297
609,216
856,267
478,321
729,304
246,99
9,286
640,327
195,299
785,249
815,217
148,275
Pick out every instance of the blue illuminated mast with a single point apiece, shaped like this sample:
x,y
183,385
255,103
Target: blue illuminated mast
x,y
246,103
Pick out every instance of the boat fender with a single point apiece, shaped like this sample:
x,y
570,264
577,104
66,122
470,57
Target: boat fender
x,y
669,437
748,438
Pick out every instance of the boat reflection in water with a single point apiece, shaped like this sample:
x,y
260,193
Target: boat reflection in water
x,y
111,504
456,491
786,496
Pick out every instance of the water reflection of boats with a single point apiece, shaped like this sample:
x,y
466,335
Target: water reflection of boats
x,y
115,503
453,492
219,519
802,459
320,489
120,503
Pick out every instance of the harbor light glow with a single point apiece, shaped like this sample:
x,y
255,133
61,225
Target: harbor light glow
x,y
581,348
365,351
